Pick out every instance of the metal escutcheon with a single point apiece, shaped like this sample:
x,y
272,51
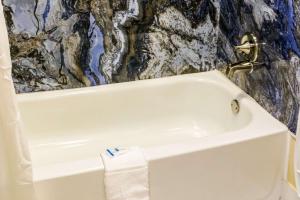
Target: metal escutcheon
x,y
235,106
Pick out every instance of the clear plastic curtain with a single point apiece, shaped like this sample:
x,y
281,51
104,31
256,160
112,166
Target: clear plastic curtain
x,y
15,164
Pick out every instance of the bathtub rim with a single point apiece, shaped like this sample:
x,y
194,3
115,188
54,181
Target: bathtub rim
x,y
94,164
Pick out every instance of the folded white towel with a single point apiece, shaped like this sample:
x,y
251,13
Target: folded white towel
x,y
126,174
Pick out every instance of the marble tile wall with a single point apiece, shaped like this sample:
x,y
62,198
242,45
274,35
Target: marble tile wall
x,y
60,44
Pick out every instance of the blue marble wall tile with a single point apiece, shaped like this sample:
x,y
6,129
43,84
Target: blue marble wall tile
x,y
58,44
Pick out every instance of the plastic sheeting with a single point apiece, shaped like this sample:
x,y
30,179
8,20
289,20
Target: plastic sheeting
x,y
15,164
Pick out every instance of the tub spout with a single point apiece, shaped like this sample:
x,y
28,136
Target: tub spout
x,y
249,49
244,66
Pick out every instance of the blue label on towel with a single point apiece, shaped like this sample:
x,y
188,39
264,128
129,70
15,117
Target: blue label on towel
x,y
112,151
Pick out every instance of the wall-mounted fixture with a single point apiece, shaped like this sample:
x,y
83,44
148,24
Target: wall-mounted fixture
x,y
249,51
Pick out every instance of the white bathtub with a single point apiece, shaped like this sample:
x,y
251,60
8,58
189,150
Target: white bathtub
x,y
196,146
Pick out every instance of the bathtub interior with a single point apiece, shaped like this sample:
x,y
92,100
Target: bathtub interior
x,y
76,124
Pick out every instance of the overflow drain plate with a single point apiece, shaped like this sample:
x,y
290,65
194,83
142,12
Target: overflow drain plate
x,y
235,106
